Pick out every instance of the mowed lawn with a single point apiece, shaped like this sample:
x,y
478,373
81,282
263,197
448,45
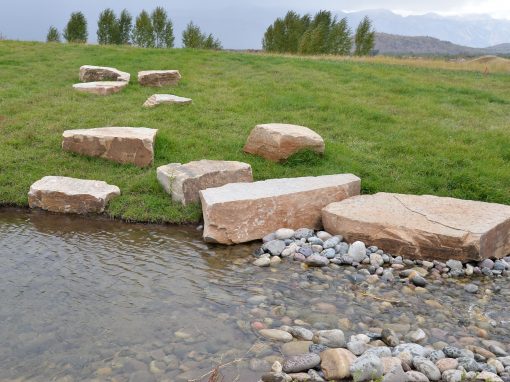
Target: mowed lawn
x,y
401,129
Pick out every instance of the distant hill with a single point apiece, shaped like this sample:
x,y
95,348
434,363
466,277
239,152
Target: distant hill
x,y
391,44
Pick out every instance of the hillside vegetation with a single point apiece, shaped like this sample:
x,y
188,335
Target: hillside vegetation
x,y
400,128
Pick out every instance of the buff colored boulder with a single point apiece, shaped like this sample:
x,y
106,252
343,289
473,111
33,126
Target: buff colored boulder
x,y
100,87
159,78
90,73
242,212
160,99
423,227
133,145
70,195
184,181
277,141
336,363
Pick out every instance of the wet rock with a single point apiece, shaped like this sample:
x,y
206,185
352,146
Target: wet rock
x,y
389,337
336,363
274,247
257,364
276,377
471,288
276,335
316,260
298,363
427,368
366,368
296,347
417,336
301,333
419,281
262,261
332,338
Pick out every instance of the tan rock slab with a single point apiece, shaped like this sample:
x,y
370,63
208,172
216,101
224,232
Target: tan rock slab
x,y
423,227
336,363
184,181
278,141
242,212
90,73
159,99
133,145
100,87
70,195
159,78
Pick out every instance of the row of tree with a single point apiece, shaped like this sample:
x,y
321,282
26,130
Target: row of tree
x,y
321,34
153,30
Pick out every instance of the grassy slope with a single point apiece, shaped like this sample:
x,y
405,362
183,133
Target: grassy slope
x,y
401,129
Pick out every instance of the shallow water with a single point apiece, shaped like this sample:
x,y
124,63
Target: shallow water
x,y
85,299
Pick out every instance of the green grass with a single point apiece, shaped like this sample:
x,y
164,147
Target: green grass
x,y
401,129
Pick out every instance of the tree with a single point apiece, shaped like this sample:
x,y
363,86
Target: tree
x,y
125,25
169,38
53,35
364,37
159,20
192,37
107,27
143,33
341,38
76,28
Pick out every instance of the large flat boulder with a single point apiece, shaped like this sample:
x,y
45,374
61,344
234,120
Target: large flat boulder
x,y
184,181
120,144
423,227
159,78
100,87
70,195
278,141
242,212
159,99
90,73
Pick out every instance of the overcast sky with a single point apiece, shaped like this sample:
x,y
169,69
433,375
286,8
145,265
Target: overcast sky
x,y
234,21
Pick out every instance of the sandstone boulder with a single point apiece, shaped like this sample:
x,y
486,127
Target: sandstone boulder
x,y
277,141
159,77
423,227
242,212
70,195
100,87
184,181
120,144
158,99
336,363
90,73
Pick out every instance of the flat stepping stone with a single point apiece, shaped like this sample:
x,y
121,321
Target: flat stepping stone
x,y
423,227
100,87
158,99
70,195
278,141
133,145
242,212
90,73
184,181
159,78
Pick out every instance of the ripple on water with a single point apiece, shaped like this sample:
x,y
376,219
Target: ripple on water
x,y
87,297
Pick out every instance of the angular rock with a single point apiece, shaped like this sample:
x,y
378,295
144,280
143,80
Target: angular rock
x,y
159,78
241,212
100,87
423,227
91,73
277,141
160,99
70,195
184,181
302,362
336,363
133,145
